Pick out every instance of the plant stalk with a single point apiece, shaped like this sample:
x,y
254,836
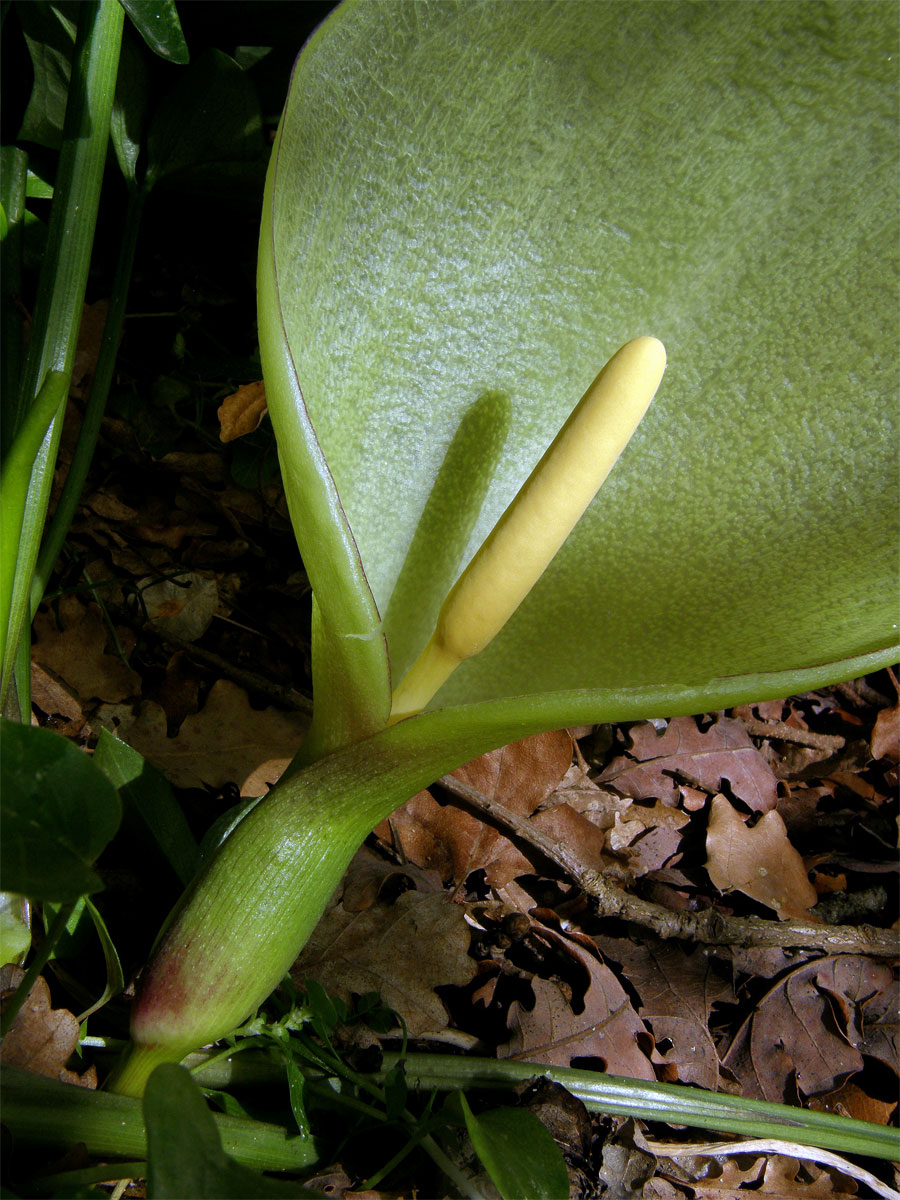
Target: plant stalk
x,y
42,1112
649,1101
616,1095
96,404
60,298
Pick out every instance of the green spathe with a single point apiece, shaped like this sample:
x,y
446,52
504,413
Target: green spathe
x,y
520,189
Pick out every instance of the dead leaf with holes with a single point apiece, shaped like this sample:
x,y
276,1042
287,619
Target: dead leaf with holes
x,y
242,412
227,741
805,1035
402,950
605,1026
73,647
677,993
654,764
758,861
370,876
41,1039
774,1175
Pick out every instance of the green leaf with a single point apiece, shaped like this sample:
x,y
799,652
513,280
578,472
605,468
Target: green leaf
x,y
395,1092
15,934
19,456
37,188
145,791
206,136
75,940
129,113
326,1012
158,24
296,1089
60,296
186,1159
519,1153
59,811
495,197
50,37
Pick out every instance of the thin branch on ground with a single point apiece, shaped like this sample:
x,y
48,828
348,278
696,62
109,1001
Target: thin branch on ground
x,y
782,732
708,927
284,696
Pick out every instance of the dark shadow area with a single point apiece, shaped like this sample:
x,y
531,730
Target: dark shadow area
x,y
451,510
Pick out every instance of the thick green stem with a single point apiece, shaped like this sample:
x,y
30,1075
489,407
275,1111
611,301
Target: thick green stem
x,y
43,1113
242,921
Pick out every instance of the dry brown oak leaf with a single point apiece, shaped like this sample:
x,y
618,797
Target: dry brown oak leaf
x,y
654,763
777,1175
227,741
758,861
849,1100
807,1033
241,412
74,649
41,1039
401,950
886,734
677,992
649,836
55,699
606,1027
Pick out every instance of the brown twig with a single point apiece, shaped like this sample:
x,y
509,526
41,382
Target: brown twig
x,y
708,927
782,732
860,694
284,696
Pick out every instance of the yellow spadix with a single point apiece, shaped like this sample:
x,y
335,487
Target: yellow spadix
x,y
544,512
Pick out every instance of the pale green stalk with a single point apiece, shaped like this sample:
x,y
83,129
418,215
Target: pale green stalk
x,y
58,308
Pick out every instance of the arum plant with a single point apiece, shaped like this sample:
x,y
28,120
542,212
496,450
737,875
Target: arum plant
x,y
468,209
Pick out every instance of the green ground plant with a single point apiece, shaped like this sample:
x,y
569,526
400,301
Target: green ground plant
x,y
455,237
